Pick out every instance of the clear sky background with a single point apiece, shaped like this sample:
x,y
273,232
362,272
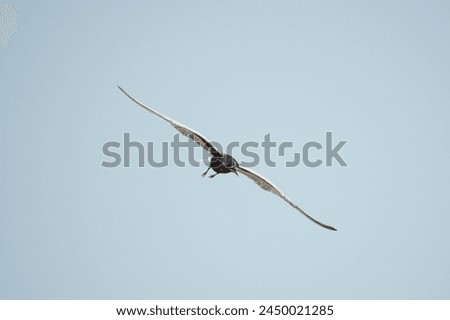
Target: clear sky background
x,y
374,73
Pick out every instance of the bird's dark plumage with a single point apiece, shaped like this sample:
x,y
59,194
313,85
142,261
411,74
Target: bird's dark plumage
x,y
224,163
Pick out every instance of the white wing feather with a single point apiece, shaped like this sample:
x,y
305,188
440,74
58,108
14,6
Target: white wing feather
x,y
184,130
268,186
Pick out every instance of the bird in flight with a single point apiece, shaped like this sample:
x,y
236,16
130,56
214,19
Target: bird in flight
x,y
224,163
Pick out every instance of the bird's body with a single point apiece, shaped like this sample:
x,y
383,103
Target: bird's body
x,y
223,163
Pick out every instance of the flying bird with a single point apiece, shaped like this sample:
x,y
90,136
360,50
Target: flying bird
x,y
224,163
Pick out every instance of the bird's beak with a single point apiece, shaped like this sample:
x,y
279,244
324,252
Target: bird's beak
x,y
235,172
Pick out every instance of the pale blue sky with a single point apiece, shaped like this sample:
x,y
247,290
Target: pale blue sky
x,y
374,73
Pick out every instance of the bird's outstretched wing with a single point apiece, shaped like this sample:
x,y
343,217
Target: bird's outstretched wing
x,y
195,136
268,186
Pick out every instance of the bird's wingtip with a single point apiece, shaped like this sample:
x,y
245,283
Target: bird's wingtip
x,y
123,91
